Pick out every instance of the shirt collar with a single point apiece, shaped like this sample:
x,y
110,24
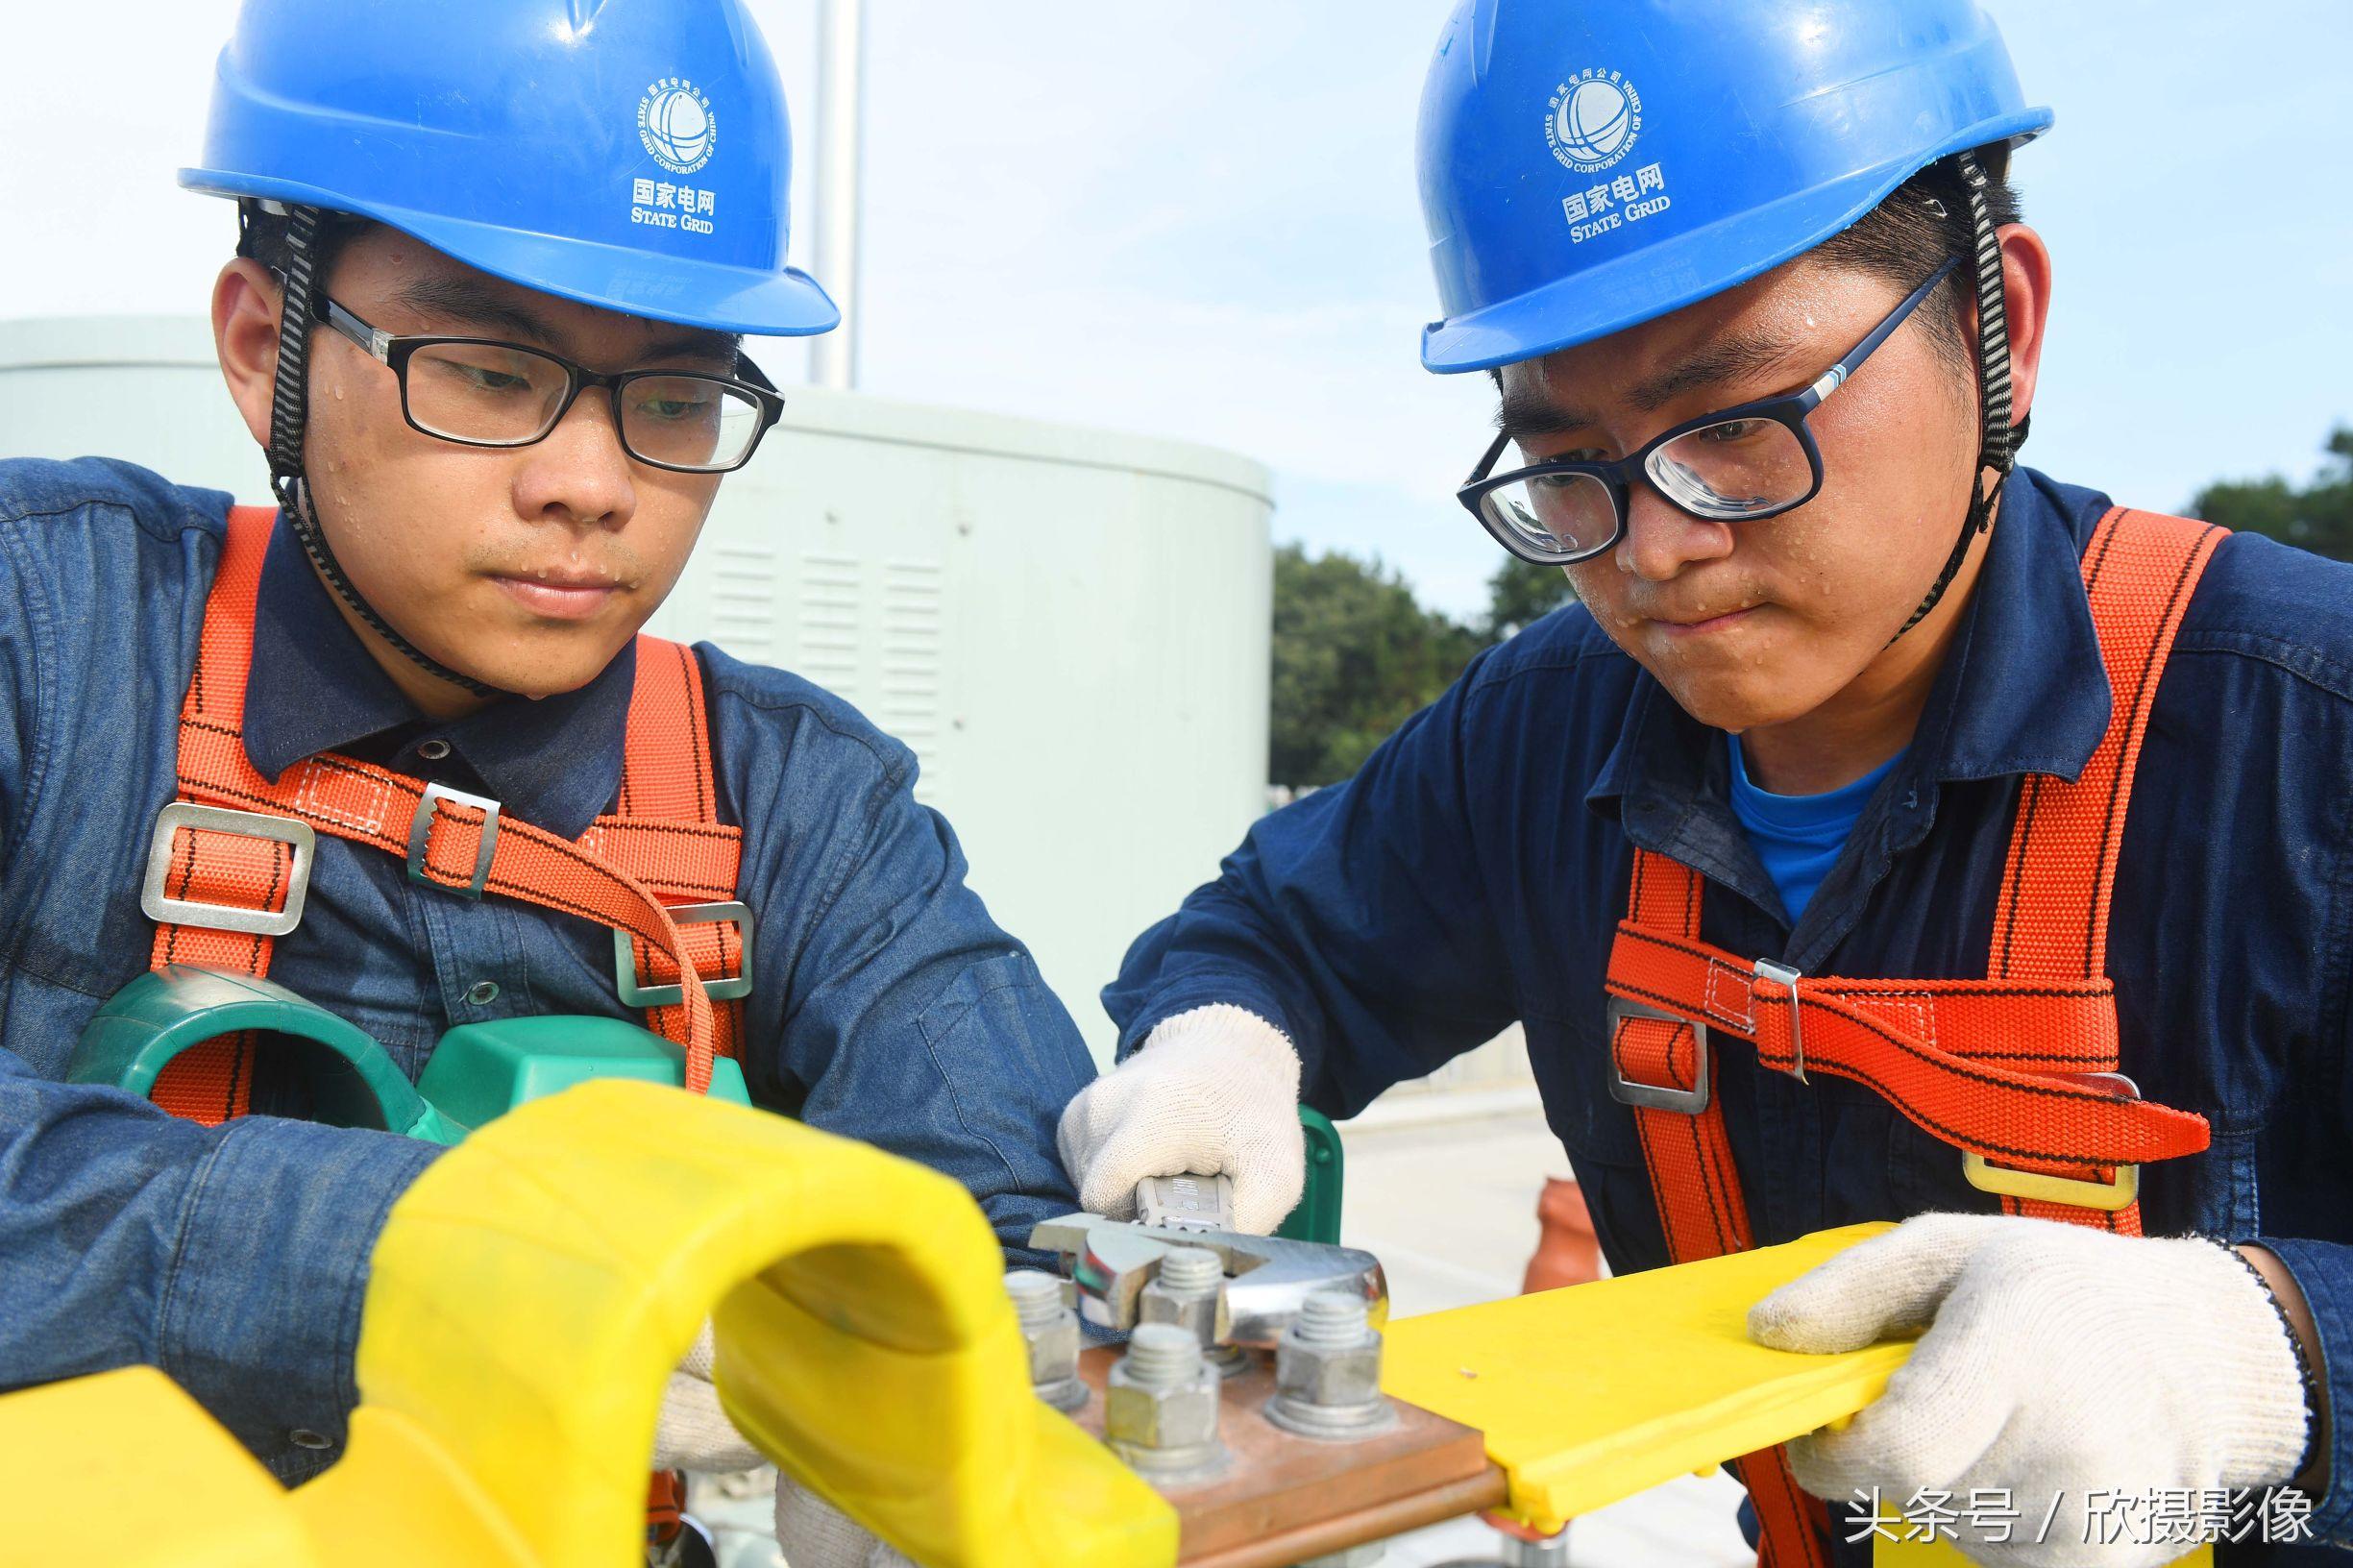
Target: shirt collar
x,y
313,687
2022,689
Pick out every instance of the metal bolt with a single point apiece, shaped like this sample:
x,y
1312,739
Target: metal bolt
x,y
1050,1330
1159,1411
1036,1297
1159,1355
1189,1293
1330,1320
1191,1268
1328,1372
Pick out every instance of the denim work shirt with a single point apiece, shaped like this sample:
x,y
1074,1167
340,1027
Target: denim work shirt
x,y
1473,873
887,1007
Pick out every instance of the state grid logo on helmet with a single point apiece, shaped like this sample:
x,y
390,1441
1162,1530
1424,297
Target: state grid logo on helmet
x,y
675,122
1592,119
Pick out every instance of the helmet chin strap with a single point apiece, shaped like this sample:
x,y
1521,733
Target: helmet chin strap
x,y
1998,440
289,417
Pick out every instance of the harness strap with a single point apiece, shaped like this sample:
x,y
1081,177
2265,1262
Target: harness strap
x,y
449,840
1986,1090
212,1082
2004,1068
2051,926
666,832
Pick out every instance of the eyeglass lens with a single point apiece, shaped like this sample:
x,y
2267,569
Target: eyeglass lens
x,y
1734,469
1555,513
507,396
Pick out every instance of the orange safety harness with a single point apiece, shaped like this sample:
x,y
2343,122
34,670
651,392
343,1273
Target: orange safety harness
x,y
2018,1071
230,863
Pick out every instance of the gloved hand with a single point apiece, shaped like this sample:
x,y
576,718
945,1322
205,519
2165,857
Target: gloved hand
x,y
814,1534
692,1431
2058,1360
1211,1092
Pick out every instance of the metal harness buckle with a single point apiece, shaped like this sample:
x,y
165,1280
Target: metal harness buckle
x,y
1783,975
2108,1197
725,988
421,828
1655,1096
163,910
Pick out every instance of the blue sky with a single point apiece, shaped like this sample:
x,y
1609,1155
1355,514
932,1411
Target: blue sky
x,y
1198,220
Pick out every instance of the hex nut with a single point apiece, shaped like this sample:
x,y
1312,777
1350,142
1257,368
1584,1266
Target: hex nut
x,y
1050,1331
1328,1373
1195,1311
1053,1349
1160,1408
1327,1376
1161,1419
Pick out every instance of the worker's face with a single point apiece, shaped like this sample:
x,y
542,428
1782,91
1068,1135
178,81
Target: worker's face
x,y
1755,623
526,568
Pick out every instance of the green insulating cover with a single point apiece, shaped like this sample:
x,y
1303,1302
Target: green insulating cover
x,y
1317,1218
150,1020
481,1071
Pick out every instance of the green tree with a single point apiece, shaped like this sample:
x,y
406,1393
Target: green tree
x,y
2319,518
1520,594
1355,656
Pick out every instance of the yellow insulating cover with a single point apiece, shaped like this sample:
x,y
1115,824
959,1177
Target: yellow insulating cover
x,y
534,1288
124,1470
398,1499
1594,1393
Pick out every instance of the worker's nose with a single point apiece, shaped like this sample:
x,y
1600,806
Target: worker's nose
x,y
579,474
1661,540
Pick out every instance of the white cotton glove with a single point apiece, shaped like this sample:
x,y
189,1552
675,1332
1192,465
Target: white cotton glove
x,y
692,1432
2058,1360
1211,1092
814,1534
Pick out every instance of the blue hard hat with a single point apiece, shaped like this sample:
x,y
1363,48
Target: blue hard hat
x,y
628,154
1587,166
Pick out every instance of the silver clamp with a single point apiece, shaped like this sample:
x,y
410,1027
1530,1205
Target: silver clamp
x,y
1655,1096
421,827
1783,975
164,910
724,988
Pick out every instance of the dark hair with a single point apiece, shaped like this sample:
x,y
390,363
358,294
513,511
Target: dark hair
x,y
1922,224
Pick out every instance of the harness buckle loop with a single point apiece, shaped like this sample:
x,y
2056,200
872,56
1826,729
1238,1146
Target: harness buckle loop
x,y
421,828
164,910
1655,1096
725,988
1782,974
2108,1197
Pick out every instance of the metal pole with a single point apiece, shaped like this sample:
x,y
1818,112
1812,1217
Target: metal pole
x,y
841,85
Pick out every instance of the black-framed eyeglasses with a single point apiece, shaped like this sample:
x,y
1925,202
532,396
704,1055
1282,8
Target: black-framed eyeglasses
x,y
481,392
1736,465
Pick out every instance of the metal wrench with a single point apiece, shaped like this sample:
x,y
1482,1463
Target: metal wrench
x,y
1268,1278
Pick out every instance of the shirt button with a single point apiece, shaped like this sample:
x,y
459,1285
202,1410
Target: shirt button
x,y
305,1437
433,751
482,993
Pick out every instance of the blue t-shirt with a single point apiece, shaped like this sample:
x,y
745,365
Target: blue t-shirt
x,y
1799,836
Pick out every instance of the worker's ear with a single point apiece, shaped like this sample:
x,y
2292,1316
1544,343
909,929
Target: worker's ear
x,y
246,300
2025,276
